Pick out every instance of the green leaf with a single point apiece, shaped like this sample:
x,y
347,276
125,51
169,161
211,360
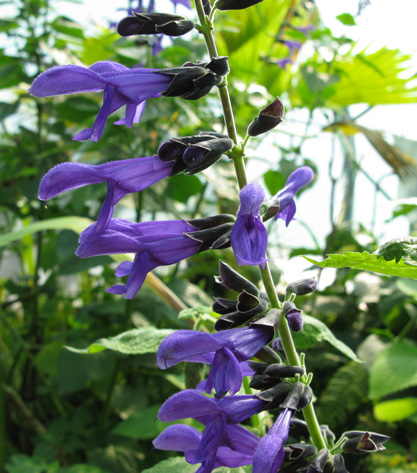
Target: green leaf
x,y
347,19
116,459
367,262
400,249
344,394
395,368
361,80
183,187
201,311
19,463
77,224
172,465
83,468
141,425
7,109
77,370
395,409
274,181
133,342
315,332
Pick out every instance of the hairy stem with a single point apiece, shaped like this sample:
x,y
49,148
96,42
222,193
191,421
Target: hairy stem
x,y
284,331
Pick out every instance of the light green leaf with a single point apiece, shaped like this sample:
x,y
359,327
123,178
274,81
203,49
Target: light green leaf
x,y
201,311
172,465
133,342
395,368
347,19
368,262
240,469
396,409
77,224
372,78
315,332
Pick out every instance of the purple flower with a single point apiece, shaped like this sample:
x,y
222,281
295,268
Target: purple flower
x,y
185,3
292,46
249,236
283,63
298,179
219,417
193,404
270,452
230,347
122,177
155,244
241,445
121,86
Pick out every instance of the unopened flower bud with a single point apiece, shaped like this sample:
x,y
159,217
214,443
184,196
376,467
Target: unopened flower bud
x,y
302,287
272,209
363,442
224,5
274,395
293,316
210,222
339,464
317,465
262,382
299,429
154,23
231,279
201,155
207,7
278,346
258,366
268,355
208,236
246,302
297,451
271,320
171,150
282,371
328,466
219,65
327,433
268,118
189,82
299,397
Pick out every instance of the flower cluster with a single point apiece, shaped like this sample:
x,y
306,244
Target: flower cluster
x,y
245,327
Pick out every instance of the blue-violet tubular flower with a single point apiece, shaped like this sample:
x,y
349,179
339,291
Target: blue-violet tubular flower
x,y
298,179
249,236
121,86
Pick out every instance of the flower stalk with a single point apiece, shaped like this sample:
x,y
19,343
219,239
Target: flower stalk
x,y
238,161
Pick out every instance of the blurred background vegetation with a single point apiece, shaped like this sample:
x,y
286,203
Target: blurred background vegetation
x,y
76,399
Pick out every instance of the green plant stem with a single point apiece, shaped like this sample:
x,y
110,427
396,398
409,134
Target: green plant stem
x,y
283,329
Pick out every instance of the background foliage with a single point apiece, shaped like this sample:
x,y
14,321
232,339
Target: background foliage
x,y
80,387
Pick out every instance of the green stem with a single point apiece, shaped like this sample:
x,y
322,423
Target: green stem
x,y
283,329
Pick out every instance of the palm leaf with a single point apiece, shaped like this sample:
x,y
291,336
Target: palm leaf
x,y
401,163
343,395
373,79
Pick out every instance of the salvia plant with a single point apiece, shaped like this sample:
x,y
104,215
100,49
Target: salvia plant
x,y
254,370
